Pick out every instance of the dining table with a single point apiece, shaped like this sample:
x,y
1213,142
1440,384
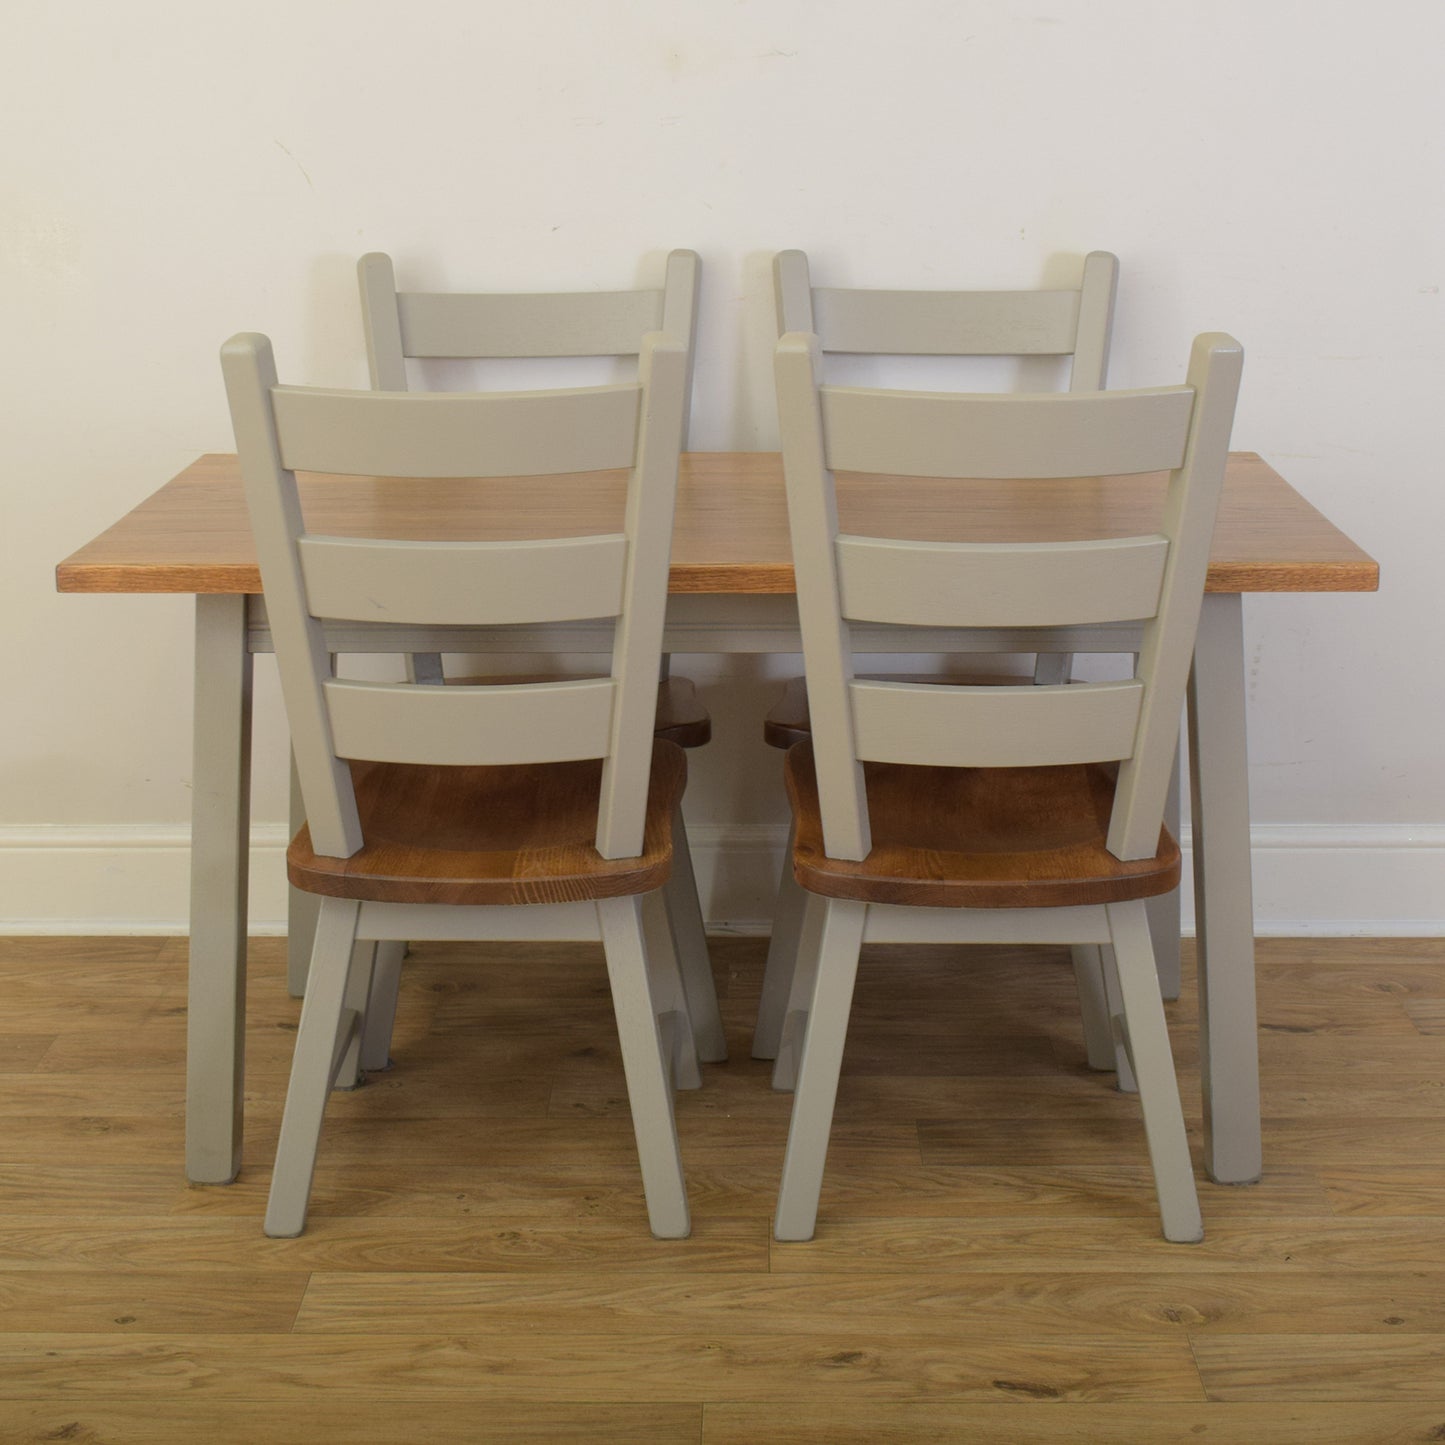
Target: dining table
x,y
731,590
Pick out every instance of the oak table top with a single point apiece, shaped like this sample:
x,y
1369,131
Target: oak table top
x,y
731,527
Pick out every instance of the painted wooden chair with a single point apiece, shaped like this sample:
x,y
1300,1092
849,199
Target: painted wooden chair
x,y
432,808
1076,323
1006,814
503,326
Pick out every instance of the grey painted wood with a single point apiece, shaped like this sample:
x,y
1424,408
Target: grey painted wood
x,y
1025,725
637,647
994,727
381,322
335,719
542,722
455,434
947,323
578,323
788,905
354,578
301,908
822,1059
988,584
1097,289
1223,891
497,324
1153,1066
684,912
220,861
1164,911
827,643
313,1068
302,658
1190,506
653,1121
1054,434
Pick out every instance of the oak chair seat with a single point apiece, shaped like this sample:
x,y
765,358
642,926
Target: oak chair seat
x,y
788,722
977,838
498,835
681,716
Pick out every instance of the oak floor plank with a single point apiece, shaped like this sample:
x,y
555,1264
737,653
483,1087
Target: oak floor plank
x,y
832,1364
1323,1367
1129,1244
159,1302
122,1420
1019,1305
22,1053
1067,1424
186,1242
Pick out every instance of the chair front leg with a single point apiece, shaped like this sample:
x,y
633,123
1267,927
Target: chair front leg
x,y
1153,1063
648,1093
822,1061
313,1067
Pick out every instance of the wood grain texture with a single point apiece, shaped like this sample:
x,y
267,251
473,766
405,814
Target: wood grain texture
x,y
730,529
184,1420
502,835
976,838
989,1267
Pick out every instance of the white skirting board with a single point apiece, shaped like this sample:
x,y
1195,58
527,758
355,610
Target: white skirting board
x,y
1326,879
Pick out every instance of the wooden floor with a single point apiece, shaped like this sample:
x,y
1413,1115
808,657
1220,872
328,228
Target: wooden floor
x,y
477,1266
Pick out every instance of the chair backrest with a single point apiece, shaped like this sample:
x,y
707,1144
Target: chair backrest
x,y
309,577
1073,323
1156,579
504,325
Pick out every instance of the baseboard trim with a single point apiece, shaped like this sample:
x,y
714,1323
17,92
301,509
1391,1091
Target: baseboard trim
x,y
1385,880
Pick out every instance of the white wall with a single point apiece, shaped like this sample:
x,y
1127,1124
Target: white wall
x,y
175,172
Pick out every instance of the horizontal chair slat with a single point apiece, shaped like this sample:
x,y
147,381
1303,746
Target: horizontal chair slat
x,y
994,727
456,434
946,323
587,323
999,584
440,583
546,722
1057,434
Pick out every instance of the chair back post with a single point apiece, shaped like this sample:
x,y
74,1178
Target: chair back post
x,y
637,644
793,293
249,367
1096,321
827,638
1165,655
679,317
381,322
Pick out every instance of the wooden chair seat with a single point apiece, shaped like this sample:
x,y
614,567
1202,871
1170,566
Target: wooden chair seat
x,y
508,835
681,717
977,838
788,723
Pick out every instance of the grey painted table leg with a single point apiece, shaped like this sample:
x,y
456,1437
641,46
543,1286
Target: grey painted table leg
x,y
220,853
1228,1023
